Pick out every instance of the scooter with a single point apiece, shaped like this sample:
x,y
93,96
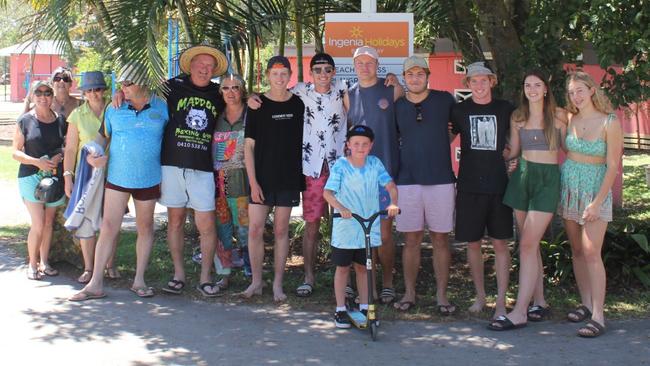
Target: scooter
x,y
358,319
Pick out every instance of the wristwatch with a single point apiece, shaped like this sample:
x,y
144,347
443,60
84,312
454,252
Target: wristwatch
x,y
67,172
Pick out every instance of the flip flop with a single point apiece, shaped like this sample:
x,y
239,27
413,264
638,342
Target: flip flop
x,y
85,276
142,291
112,273
502,323
580,314
401,305
538,313
304,290
84,295
387,295
201,289
446,309
174,286
591,330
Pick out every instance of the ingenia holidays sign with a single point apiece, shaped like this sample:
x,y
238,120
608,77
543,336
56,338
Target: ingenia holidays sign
x,y
390,33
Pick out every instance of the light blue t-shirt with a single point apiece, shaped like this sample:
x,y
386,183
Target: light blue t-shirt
x,y
135,143
358,190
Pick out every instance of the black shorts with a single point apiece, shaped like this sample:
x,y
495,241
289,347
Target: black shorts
x,y
280,198
345,257
139,194
476,212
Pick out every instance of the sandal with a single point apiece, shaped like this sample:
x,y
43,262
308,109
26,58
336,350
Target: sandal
x,y
404,306
85,276
538,313
223,284
202,289
591,330
349,293
112,273
304,290
34,274
387,295
142,291
503,323
49,271
581,313
84,295
174,286
446,309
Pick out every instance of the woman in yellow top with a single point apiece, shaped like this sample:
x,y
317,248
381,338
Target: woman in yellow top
x,y
83,124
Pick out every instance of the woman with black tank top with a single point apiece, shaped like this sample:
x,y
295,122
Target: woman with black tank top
x,y
537,129
37,145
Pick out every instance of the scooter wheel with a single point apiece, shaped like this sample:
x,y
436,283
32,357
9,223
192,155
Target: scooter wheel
x,y
374,332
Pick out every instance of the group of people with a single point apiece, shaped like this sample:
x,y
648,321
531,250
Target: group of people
x,y
362,148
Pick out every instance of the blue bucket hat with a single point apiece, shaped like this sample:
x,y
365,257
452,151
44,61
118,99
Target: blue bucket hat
x,y
92,80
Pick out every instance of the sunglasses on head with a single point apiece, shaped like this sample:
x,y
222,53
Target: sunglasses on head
x,y
43,93
126,83
64,78
232,87
418,111
320,70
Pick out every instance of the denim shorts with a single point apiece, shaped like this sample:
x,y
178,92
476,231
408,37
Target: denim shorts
x,y
187,188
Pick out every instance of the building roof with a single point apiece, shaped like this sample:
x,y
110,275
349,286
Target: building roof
x,y
42,47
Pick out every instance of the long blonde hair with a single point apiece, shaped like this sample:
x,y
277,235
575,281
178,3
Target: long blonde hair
x,y
599,99
522,113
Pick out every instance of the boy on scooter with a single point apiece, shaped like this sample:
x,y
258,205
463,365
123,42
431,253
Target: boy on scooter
x,y
353,187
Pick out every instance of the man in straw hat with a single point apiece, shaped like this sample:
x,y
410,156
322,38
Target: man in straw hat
x,y
483,124
194,103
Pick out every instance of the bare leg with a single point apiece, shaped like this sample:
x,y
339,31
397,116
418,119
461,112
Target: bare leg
x,y
592,243
476,266
34,238
502,264
111,265
574,233
46,238
533,229
205,223
441,263
387,252
175,221
114,205
257,218
88,252
309,249
341,276
281,249
362,282
410,264
144,243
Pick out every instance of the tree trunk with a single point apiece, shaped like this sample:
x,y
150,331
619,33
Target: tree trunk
x,y
283,36
65,248
298,10
463,25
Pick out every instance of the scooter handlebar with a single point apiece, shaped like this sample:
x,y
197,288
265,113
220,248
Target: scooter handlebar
x,y
360,218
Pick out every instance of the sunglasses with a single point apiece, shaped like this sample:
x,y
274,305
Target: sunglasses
x,y
126,83
320,70
43,93
234,88
66,79
96,90
418,111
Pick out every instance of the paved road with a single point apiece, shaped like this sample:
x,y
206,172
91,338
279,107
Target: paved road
x,y
41,327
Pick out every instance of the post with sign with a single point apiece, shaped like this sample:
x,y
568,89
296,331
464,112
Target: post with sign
x,y
390,33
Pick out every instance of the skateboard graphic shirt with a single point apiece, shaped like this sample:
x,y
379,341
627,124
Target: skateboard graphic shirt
x,y
483,129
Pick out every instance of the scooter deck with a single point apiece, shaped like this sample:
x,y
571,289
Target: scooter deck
x,y
358,319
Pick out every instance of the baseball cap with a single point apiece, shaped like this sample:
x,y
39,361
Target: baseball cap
x,y
415,61
360,130
321,59
366,50
278,61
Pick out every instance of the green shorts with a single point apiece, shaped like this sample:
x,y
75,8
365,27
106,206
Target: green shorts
x,y
534,187
27,186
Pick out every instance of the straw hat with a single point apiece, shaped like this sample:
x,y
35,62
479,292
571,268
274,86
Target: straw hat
x,y
186,58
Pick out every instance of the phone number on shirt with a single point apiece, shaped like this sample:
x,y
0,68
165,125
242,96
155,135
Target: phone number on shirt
x,y
192,145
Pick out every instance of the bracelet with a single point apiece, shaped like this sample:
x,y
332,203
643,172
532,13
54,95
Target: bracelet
x,y
67,172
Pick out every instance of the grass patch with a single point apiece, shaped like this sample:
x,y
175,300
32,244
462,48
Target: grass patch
x,y
8,166
636,195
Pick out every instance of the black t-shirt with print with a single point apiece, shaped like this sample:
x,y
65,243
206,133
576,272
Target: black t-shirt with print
x,y
277,128
193,113
41,139
483,129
